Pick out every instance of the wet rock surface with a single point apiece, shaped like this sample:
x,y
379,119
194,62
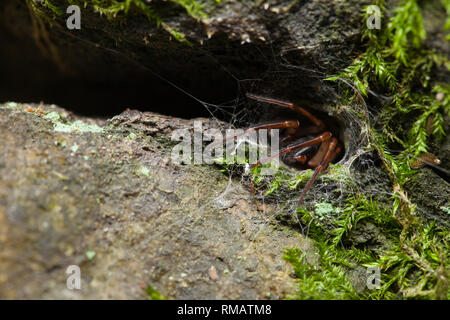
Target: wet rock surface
x,y
105,196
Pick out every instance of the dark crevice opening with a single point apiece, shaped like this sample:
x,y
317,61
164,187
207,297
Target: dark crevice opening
x,y
98,83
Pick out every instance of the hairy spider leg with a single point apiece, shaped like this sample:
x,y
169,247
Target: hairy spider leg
x,y
272,125
323,164
316,121
324,136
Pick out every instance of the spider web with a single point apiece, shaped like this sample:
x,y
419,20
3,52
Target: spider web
x,y
356,172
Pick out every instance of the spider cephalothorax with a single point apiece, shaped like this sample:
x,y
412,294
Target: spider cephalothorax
x,y
305,145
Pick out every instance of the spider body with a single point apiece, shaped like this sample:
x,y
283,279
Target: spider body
x,y
298,158
305,145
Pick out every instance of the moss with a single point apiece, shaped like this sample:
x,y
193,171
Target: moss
x,y
414,259
323,209
90,255
115,10
285,182
405,272
154,294
74,148
397,65
446,4
144,171
10,105
77,126
62,125
328,281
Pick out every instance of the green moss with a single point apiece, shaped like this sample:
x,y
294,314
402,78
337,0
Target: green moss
x,y
56,9
115,10
285,181
10,105
405,272
132,136
327,281
446,4
144,171
62,125
415,264
397,65
90,255
324,209
154,294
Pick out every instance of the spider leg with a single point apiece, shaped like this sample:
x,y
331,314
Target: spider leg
x,y
309,130
290,134
323,164
335,153
324,136
320,154
293,133
316,121
276,125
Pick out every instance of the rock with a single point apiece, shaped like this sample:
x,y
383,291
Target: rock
x,y
94,206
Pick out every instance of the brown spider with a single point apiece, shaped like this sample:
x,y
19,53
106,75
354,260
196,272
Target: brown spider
x,y
313,147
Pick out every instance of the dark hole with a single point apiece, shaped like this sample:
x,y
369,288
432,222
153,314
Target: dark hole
x,y
273,114
99,83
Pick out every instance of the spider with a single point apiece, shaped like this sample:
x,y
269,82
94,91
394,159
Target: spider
x,y
312,146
